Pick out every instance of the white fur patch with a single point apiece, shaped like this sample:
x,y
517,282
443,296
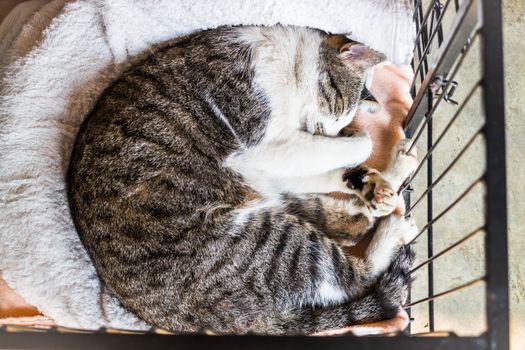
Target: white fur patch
x,y
389,235
218,113
275,62
242,215
331,294
286,151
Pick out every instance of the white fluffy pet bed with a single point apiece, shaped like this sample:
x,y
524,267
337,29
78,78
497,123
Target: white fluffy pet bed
x,y
53,73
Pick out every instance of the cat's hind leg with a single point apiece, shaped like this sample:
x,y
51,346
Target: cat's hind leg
x,y
388,237
404,162
286,252
317,226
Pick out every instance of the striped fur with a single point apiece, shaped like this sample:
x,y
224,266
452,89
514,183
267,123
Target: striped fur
x,y
196,185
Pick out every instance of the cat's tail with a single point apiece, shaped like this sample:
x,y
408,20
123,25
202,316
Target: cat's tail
x,y
382,303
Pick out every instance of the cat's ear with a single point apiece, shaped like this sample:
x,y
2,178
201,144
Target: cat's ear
x,y
355,53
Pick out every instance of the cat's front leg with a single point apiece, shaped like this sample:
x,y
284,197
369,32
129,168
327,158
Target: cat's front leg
x,y
378,194
379,190
331,181
301,154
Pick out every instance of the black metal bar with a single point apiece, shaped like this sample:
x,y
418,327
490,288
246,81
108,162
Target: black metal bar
x,y
430,39
496,198
447,169
447,209
450,291
430,228
437,5
465,22
430,113
406,197
447,249
421,43
423,23
50,340
442,135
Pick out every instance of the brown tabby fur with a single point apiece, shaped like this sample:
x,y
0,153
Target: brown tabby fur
x,y
156,207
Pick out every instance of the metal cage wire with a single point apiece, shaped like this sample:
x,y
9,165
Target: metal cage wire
x,y
474,20
434,82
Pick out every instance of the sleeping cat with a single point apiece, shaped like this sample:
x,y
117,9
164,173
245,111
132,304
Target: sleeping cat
x,y
199,185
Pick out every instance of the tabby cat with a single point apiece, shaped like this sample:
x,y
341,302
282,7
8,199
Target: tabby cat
x,y
199,186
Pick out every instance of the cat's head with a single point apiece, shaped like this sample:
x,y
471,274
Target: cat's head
x,y
345,71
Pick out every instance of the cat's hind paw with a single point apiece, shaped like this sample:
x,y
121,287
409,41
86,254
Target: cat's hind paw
x,y
404,162
409,230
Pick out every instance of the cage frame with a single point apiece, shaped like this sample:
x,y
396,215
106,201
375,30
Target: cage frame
x,y
469,16
483,16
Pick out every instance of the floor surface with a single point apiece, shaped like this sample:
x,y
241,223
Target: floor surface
x,y
463,312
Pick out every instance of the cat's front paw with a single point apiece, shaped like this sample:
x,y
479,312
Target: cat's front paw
x,y
378,194
380,197
353,177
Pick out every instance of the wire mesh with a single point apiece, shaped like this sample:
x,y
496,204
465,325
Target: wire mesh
x,y
446,68
457,59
